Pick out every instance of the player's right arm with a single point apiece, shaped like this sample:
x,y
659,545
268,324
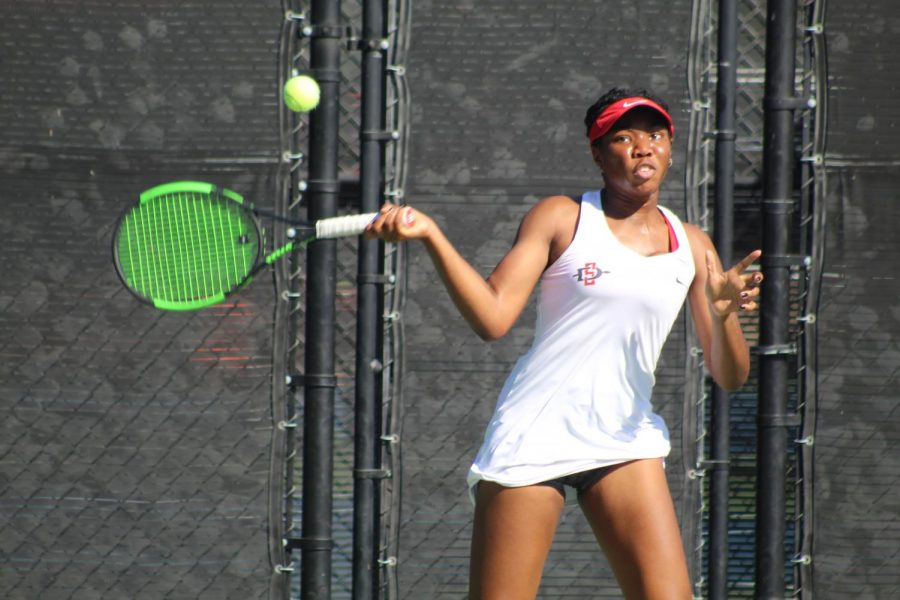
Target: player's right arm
x,y
490,305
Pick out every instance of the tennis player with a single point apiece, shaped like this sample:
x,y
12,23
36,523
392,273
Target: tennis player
x,y
575,414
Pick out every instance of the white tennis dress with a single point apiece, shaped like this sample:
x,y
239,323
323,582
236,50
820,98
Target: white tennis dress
x,y
580,398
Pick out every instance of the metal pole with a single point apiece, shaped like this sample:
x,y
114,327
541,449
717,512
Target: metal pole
x,y
319,379
778,204
723,237
367,436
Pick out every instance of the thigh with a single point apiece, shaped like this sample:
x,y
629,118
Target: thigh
x,y
513,531
631,512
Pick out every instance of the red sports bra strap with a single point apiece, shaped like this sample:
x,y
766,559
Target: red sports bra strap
x,y
673,239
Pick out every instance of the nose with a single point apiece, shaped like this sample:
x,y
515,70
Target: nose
x,y
641,145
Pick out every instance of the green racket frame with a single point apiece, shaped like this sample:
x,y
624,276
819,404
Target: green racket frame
x,y
177,253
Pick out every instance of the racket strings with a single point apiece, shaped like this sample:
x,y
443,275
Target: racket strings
x,y
186,246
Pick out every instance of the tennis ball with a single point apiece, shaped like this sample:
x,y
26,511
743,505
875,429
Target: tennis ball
x,y
301,93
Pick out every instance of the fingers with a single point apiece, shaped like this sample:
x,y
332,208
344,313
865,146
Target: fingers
x,y
392,224
748,260
747,298
735,290
752,280
377,228
747,284
749,306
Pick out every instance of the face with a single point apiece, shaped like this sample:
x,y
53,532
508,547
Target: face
x,y
634,155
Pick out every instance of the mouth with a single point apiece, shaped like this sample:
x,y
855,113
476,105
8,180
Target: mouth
x,y
644,171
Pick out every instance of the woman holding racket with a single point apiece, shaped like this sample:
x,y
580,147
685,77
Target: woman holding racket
x,y
614,269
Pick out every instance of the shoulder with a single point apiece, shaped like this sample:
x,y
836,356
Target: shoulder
x,y
699,239
556,204
552,213
550,226
700,243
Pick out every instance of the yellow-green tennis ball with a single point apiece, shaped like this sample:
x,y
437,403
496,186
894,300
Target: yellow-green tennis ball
x,y
301,93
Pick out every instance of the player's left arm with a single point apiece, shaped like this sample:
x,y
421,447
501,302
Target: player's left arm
x,y
716,297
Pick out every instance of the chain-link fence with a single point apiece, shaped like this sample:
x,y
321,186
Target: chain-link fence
x,y
135,447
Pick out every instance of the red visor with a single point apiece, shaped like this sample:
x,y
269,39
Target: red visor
x,y
614,112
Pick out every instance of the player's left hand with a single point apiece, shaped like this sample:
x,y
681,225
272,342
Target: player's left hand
x,y
732,290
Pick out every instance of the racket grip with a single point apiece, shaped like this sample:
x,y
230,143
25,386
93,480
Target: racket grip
x,y
343,226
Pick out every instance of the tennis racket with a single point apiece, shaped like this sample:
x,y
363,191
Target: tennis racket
x,y
186,245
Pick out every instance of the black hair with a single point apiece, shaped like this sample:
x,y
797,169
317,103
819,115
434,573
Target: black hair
x,y
614,95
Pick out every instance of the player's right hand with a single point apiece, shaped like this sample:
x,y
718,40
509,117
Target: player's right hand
x,y
398,223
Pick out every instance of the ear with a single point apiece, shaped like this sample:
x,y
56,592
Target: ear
x,y
597,154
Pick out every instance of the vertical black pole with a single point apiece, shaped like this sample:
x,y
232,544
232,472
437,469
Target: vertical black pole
x,y
778,202
319,379
367,455
723,236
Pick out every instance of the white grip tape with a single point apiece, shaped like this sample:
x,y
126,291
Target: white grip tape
x,y
336,227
